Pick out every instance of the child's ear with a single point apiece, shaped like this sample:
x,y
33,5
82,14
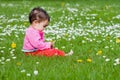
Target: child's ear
x,y
35,21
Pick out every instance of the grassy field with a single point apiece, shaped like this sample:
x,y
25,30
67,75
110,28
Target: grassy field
x,y
91,28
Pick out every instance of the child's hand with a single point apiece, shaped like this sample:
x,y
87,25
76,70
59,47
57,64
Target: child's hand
x,y
52,44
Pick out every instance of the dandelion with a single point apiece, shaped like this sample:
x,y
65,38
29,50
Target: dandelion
x,y
80,60
13,45
89,60
99,52
35,72
117,40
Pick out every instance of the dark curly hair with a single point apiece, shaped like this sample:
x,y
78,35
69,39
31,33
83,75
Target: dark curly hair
x,y
38,14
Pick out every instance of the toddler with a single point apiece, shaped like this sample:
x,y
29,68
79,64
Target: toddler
x,y
34,42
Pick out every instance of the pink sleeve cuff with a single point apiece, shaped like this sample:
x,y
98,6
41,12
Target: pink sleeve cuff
x,y
48,44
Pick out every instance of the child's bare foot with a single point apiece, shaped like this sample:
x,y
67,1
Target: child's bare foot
x,y
70,53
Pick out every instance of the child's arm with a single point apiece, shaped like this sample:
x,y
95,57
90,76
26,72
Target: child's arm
x,y
36,41
52,44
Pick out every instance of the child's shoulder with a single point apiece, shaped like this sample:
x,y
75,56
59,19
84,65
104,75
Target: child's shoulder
x,y
29,29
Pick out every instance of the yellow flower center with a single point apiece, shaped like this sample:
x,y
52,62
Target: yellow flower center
x,y
79,60
89,60
13,45
117,40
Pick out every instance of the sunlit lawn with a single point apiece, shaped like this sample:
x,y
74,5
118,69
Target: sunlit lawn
x,y
91,28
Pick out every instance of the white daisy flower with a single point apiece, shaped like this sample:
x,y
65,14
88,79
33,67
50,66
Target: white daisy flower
x,y
104,56
2,62
28,74
114,64
83,41
117,60
106,47
2,51
7,60
107,59
2,58
12,54
22,71
35,72
63,46
14,57
37,62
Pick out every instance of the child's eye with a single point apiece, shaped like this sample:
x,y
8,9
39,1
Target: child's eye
x,y
45,26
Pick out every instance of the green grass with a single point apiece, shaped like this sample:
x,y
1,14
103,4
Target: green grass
x,y
85,26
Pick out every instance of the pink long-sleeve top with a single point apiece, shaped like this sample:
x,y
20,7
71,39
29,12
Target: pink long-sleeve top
x,y
34,40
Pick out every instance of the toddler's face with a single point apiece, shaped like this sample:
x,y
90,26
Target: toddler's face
x,y
41,26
